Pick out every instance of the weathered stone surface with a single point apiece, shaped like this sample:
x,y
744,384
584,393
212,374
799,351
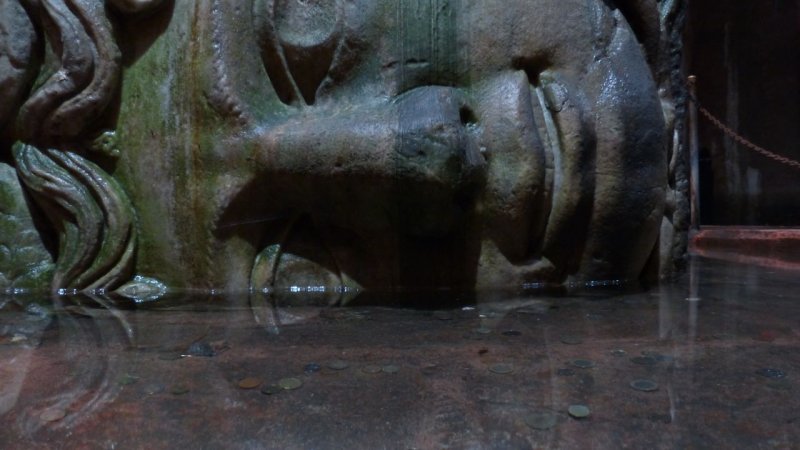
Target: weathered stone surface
x,y
378,144
24,262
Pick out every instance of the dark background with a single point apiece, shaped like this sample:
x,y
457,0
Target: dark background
x,y
746,55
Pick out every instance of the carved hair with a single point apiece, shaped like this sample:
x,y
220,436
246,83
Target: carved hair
x,y
81,73
69,46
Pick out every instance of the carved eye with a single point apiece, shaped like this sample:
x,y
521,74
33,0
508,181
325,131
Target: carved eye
x,y
298,39
306,23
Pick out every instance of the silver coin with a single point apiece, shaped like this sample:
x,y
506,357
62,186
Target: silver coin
x,y
502,368
179,390
775,374
338,364
543,420
579,411
583,363
271,389
390,368
644,360
290,384
443,315
128,380
371,369
644,385
571,340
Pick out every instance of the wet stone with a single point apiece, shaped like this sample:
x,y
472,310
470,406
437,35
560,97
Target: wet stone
x,y
501,368
579,411
483,330
154,388
618,352
657,356
290,384
200,349
766,336
171,356
774,374
644,385
271,389
543,420
443,315
338,364
249,383
780,385
512,333
128,380
371,369
53,414
390,368
312,368
565,372
571,339
644,360
179,390
583,363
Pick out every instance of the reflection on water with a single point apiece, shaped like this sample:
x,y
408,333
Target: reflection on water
x,y
710,361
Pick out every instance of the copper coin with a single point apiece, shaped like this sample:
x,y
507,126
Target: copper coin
x,y
249,383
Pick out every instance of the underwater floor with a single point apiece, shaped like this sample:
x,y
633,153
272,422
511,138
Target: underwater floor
x,y
710,361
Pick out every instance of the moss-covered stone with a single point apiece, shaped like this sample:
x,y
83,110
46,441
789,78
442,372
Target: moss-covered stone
x,y
24,261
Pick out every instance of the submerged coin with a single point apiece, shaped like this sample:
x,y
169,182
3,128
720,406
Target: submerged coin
x,y
502,368
290,384
583,363
312,368
619,352
154,388
483,330
644,385
644,360
179,390
543,420
443,315
128,379
579,411
774,374
201,349
53,414
249,383
338,364
657,356
372,369
571,340
271,389
390,368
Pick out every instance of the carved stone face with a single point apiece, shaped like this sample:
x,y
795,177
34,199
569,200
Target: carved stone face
x,y
389,144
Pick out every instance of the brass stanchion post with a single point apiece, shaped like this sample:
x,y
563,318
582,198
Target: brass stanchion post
x,y
694,155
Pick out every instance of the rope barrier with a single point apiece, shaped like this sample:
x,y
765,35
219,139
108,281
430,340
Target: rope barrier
x,y
741,139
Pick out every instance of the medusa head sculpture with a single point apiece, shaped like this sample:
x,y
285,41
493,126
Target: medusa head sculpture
x,y
385,144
